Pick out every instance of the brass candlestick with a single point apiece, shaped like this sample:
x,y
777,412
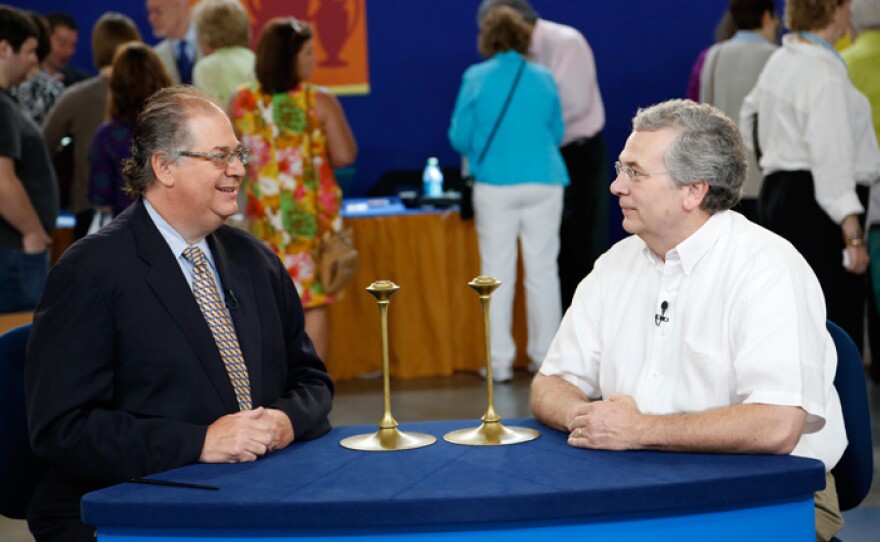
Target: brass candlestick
x,y
388,437
491,432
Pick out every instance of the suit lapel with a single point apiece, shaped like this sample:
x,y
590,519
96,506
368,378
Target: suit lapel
x,y
168,283
235,278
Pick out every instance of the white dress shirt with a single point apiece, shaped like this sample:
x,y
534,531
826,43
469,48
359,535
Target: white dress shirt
x,y
812,118
565,52
746,324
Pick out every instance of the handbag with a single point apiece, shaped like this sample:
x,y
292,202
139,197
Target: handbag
x,y
336,255
337,260
466,205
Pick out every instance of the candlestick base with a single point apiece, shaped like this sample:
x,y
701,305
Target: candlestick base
x,y
387,440
491,434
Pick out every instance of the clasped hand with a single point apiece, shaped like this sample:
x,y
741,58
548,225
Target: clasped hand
x,y
612,424
246,435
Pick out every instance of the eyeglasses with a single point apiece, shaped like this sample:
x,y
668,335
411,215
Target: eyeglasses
x,y
632,174
221,159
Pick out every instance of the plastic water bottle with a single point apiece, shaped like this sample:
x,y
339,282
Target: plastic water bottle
x,y
432,179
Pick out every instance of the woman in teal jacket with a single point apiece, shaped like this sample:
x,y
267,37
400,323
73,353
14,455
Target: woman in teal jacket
x,y
520,179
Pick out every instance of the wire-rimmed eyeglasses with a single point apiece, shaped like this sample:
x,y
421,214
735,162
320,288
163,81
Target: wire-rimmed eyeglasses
x,y
632,174
221,159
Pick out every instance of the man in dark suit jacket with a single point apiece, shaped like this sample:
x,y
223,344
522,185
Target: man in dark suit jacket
x,y
123,375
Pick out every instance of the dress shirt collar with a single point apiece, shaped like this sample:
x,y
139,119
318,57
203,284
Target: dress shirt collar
x,y
797,45
749,36
174,240
690,251
190,40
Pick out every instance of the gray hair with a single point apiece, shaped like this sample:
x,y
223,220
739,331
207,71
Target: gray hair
x,y
521,6
865,15
709,148
163,128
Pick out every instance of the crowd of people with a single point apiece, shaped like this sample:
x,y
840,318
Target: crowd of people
x,y
87,125
750,217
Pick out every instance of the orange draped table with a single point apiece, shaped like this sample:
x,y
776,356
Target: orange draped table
x,y
435,322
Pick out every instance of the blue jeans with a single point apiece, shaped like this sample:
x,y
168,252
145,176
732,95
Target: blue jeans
x,y
21,279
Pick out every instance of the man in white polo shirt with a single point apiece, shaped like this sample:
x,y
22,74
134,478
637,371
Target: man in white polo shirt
x,y
702,332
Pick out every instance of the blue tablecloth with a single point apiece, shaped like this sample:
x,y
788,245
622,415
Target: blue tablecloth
x,y
320,485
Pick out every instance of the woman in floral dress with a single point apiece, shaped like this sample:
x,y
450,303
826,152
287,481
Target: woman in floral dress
x,y
297,133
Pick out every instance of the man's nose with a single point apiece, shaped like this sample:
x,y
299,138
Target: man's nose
x,y
618,185
236,167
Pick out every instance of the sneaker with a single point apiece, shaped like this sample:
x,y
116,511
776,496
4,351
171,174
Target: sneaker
x,y
498,375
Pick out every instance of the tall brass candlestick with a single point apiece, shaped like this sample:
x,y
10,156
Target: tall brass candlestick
x,y
491,432
388,437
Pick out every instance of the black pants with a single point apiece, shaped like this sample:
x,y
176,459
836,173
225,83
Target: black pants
x,y
583,235
787,206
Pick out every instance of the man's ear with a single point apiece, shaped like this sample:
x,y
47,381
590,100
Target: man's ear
x,y
163,169
5,49
694,195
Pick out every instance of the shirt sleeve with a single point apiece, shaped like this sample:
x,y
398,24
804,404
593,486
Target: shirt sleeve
x,y
557,126
748,116
780,345
10,139
461,128
829,136
575,353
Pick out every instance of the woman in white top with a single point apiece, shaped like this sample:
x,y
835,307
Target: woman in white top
x,y
810,129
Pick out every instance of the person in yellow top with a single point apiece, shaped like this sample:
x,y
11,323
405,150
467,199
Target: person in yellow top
x,y
863,56
863,62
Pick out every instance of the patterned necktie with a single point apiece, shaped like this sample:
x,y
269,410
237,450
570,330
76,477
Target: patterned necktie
x,y
205,290
184,64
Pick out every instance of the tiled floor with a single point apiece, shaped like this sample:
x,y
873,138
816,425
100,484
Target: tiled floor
x,y
464,397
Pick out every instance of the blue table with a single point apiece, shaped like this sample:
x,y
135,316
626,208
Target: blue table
x,y
543,490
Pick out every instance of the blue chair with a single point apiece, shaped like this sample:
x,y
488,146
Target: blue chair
x,y
855,470
19,469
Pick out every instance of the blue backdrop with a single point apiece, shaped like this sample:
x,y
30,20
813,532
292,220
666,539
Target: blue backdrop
x,y
419,48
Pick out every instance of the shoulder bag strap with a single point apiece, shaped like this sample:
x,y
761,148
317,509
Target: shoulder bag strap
x,y
503,111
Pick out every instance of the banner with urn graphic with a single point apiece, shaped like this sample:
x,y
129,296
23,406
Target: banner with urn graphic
x,y
340,38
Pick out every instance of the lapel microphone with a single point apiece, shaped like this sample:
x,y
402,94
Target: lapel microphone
x,y
231,301
660,318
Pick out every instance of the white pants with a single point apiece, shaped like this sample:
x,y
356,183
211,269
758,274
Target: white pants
x,y
531,213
